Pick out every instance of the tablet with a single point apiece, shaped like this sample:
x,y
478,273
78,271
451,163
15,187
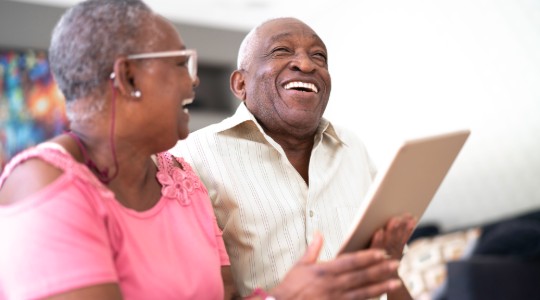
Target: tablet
x,y
406,185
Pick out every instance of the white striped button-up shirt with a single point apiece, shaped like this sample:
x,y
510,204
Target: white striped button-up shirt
x,y
266,210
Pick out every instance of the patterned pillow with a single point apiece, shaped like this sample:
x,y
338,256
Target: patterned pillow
x,y
423,267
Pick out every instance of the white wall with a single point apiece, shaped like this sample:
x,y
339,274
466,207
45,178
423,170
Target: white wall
x,y
407,68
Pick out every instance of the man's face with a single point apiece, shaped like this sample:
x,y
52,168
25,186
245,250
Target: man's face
x,y
287,83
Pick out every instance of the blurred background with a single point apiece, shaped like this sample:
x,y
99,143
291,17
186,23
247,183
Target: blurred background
x,y
400,69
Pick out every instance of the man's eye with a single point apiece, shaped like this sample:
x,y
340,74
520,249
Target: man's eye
x,y
280,50
320,56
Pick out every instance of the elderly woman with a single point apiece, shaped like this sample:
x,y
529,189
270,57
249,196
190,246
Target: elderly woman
x,y
95,213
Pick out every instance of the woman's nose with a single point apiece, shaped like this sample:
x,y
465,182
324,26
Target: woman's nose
x,y
196,82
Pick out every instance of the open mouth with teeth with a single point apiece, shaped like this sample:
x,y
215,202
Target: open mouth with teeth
x,y
185,103
301,86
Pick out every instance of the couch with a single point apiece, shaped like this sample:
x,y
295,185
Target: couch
x,y
499,260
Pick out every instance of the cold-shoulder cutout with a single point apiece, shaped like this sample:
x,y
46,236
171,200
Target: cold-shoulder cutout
x,y
32,170
26,179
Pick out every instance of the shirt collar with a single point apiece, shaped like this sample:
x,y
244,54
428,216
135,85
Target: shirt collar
x,y
243,116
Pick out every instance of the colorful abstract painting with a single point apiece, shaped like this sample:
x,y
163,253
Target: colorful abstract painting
x,y
32,107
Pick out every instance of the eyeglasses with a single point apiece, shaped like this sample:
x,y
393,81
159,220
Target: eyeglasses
x,y
191,55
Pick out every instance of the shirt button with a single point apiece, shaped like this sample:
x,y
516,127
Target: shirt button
x,y
311,213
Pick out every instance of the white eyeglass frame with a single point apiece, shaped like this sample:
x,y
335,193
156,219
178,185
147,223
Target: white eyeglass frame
x,y
190,53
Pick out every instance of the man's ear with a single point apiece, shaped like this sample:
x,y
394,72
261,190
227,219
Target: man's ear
x,y
238,85
123,77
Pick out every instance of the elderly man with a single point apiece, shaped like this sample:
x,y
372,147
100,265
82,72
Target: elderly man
x,y
277,171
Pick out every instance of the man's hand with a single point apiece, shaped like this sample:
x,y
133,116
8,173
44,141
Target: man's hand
x,y
360,275
394,236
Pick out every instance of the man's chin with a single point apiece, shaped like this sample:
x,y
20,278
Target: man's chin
x,y
303,120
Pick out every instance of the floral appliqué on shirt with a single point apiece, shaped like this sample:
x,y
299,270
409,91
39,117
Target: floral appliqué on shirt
x,y
179,184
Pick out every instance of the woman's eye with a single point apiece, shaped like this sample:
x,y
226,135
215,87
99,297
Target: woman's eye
x,y
182,62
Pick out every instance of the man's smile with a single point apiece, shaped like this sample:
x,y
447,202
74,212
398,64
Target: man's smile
x,y
301,86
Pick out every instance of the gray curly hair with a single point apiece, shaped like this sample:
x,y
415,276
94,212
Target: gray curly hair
x,y
86,41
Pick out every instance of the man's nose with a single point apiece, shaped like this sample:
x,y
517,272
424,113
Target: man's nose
x,y
303,62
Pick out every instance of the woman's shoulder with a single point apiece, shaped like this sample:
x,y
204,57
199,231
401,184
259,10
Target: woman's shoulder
x,y
33,170
167,162
175,169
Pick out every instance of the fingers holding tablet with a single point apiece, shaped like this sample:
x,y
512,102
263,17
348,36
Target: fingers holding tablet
x,y
394,235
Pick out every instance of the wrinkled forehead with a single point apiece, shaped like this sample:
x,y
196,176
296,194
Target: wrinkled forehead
x,y
283,29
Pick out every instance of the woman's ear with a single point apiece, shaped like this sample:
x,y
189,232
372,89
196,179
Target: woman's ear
x,y
238,85
123,77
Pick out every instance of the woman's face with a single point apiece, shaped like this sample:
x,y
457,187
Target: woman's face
x,y
165,85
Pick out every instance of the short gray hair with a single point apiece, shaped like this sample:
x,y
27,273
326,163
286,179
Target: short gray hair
x,y
245,50
87,40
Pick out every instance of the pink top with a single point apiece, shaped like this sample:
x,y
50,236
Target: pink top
x,y
74,233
